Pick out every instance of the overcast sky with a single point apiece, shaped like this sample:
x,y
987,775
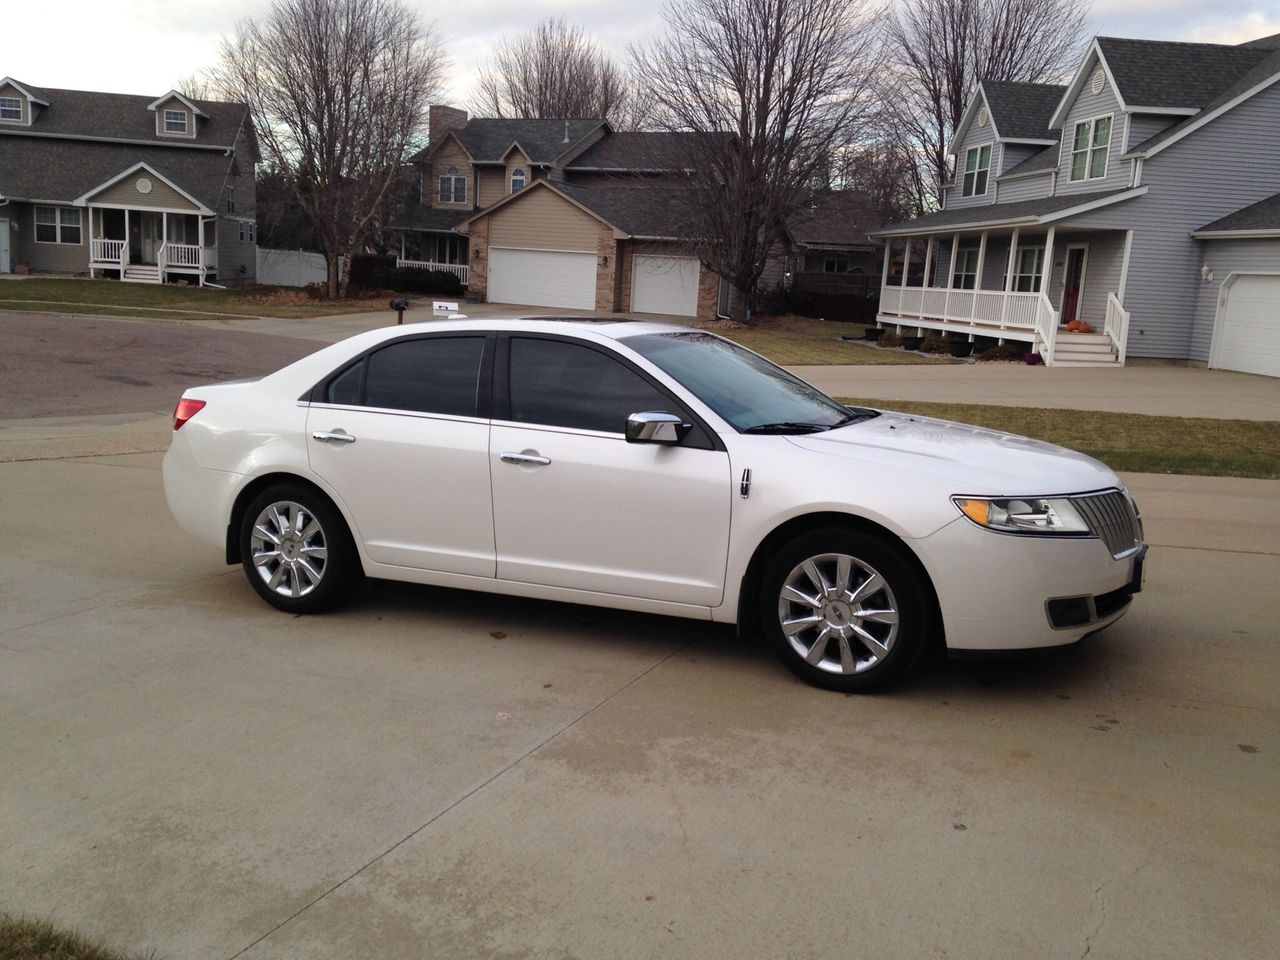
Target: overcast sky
x,y
146,46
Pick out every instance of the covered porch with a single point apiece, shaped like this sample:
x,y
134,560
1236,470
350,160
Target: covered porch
x,y
1020,283
142,245
431,250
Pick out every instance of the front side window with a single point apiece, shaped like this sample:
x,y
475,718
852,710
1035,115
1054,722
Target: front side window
x,y
744,389
57,225
1090,144
1029,269
977,167
965,275
453,187
835,265
10,108
175,121
517,179
434,375
560,384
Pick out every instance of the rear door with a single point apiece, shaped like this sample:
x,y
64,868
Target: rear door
x,y
577,506
402,436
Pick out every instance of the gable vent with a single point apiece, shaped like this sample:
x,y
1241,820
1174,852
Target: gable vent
x,y
983,117
1099,81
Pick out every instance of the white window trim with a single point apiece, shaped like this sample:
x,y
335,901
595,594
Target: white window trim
x,y
175,116
57,225
1088,151
189,133
21,117
511,182
1037,278
964,173
454,178
966,257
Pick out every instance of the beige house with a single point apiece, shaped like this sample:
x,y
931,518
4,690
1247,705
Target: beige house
x,y
558,213
143,189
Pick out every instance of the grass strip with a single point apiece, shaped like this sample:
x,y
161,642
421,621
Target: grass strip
x,y
1126,441
26,939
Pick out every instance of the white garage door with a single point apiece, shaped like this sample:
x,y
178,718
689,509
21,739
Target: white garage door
x,y
1248,334
665,285
543,278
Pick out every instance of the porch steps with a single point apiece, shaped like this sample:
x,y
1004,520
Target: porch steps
x,y
141,273
1084,350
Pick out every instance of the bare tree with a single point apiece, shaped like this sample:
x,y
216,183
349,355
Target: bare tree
x,y
939,50
339,92
554,71
765,90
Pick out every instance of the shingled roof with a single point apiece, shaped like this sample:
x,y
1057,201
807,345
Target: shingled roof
x,y
37,168
629,151
640,212
1022,111
119,116
543,141
1021,212
842,218
1261,216
1163,73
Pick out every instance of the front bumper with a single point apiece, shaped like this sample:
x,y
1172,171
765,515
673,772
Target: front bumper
x,y
995,590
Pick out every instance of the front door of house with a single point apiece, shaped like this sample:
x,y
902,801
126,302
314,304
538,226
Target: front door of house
x,y
4,247
145,232
1073,283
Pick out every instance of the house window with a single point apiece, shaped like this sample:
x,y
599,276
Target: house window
x,y
977,164
517,179
175,121
834,265
10,108
1089,147
253,233
58,225
1029,269
453,187
965,274
231,199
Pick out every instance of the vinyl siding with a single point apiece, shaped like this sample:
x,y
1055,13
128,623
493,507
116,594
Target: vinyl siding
x,y
1145,125
1013,154
162,196
173,103
48,257
234,253
1227,164
9,90
1101,272
1224,257
451,155
490,186
543,221
1026,188
1088,106
975,136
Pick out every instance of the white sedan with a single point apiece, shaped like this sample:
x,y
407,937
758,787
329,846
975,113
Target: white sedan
x,y
650,467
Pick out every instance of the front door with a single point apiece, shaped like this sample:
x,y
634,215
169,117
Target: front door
x,y
145,232
4,246
401,438
1073,283
576,505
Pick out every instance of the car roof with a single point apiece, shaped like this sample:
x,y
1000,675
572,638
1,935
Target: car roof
x,y
611,327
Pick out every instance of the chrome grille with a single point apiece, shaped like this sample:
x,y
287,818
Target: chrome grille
x,y
1112,519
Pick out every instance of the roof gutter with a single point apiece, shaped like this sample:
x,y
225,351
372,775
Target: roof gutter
x,y
132,143
1261,234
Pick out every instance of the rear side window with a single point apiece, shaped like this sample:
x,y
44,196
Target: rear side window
x,y
434,375
561,384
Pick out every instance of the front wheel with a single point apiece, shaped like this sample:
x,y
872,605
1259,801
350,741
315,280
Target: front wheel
x,y
297,551
843,610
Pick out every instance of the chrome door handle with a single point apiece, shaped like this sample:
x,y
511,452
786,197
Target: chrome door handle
x,y
525,458
324,436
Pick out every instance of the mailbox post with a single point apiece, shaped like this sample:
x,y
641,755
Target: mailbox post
x,y
399,306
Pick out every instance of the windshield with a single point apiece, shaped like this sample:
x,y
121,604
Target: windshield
x,y
746,390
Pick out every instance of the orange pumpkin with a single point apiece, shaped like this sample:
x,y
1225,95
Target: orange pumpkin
x,y
1073,326
1086,328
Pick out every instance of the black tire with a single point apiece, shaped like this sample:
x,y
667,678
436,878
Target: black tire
x,y
857,654
314,568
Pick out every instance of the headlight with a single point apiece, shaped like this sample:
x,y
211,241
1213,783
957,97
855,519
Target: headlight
x,y
1035,515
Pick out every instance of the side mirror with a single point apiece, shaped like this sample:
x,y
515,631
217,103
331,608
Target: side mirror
x,y
656,426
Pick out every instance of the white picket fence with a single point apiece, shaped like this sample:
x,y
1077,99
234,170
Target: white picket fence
x,y
291,268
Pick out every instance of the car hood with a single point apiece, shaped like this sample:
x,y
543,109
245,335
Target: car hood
x,y
978,461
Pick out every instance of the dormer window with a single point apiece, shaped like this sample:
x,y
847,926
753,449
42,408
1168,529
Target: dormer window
x,y
977,167
175,121
453,187
1089,146
10,109
518,179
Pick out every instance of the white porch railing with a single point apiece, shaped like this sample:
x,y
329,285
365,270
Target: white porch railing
x,y
102,250
1015,312
1116,326
1046,328
460,270
182,254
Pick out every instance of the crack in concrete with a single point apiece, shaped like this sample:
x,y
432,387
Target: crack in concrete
x,y
1102,919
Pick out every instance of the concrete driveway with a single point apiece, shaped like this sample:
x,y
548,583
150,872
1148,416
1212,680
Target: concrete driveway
x,y
431,773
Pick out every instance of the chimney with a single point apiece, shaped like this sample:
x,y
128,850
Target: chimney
x,y
442,119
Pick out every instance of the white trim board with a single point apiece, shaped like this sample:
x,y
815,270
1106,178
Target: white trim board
x,y
83,200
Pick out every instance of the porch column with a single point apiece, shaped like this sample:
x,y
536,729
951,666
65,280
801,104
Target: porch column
x,y
124,253
1047,272
1008,277
401,244
982,260
906,260
884,273
928,259
200,241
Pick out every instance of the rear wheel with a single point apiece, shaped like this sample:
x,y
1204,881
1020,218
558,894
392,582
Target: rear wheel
x,y
843,610
296,550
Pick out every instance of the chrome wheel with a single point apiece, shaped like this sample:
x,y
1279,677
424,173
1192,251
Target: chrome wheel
x,y
838,614
288,548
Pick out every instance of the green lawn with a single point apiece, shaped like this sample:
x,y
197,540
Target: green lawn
x,y
796,341
1127,441
24,939
112,298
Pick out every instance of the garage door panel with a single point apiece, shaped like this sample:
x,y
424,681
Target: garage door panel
x,y
666,285
542,278
1248,335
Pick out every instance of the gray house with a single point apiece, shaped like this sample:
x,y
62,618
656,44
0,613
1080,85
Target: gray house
x,y
144,189
1143,198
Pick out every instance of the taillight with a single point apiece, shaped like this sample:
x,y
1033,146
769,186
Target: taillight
x,y
185,410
